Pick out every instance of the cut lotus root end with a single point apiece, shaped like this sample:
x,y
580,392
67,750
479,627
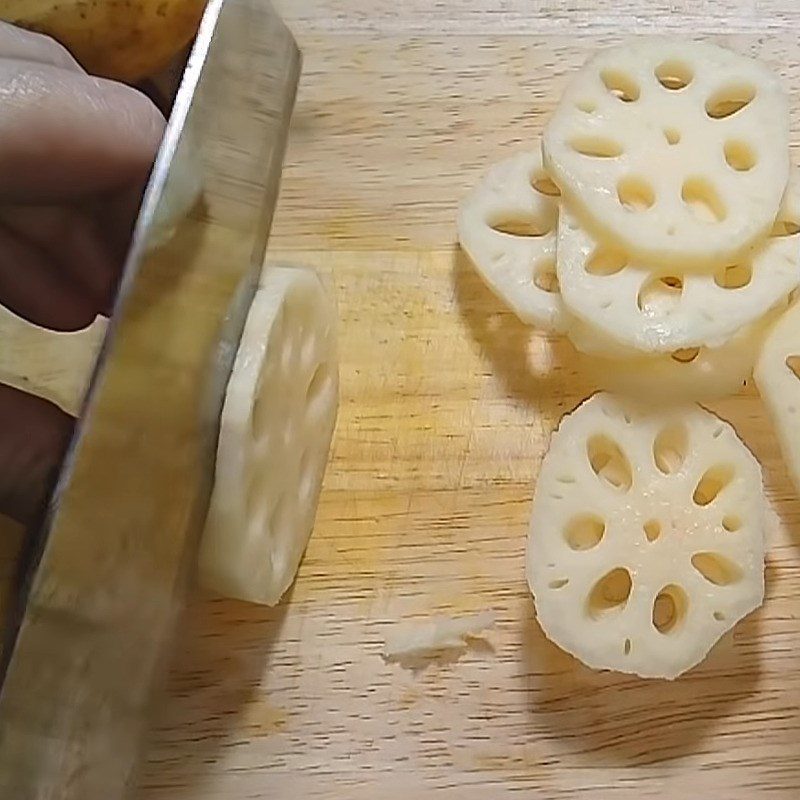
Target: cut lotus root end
x,y
275,434
647,536
676,150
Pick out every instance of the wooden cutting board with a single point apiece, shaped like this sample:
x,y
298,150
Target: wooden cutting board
x,y
447,406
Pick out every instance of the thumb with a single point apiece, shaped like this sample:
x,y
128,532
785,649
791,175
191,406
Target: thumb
x,y
65,135
34,435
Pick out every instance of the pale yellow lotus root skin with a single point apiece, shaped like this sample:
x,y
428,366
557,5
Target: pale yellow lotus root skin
x,y
678,151
647,536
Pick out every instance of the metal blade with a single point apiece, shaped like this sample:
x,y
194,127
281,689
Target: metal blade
x,y
132,497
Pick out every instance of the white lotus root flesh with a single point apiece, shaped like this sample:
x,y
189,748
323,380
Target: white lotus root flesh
x,y
662,310
777,376
688,374
676,150
507,226
646,540
275,435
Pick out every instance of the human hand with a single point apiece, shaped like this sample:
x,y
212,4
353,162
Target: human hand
x,y
75,152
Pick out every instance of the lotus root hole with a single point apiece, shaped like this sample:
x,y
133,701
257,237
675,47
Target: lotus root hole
x,y
670,448
731,523
717,569
659,297
712,483
596,146
785,227
521,225
793,364
635,194
652,529
702,200
610,593
544,184
545,277
672,135
609,463
739,155
730,100
584,532
733,276
674,75
685,355
606,261
620,85
670,609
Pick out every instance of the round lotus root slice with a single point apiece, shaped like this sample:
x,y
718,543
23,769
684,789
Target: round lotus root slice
x,y
679,151
662,310
275,435
647,536
507,226
777,375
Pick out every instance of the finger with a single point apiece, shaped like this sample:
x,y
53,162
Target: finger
x,y
34,290
117,215
65,136
34,435
17,43
71,237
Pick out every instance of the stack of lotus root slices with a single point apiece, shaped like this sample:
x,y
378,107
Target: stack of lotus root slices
x,y
657,227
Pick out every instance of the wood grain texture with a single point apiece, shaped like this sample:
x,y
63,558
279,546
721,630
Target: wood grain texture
x,y
524,17
447,406
390,131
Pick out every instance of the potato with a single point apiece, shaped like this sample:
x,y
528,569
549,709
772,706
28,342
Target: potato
x,y
122,39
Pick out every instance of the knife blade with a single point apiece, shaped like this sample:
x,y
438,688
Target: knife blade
x,y
118,536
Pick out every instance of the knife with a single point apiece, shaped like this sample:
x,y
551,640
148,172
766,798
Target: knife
x,y
117,540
